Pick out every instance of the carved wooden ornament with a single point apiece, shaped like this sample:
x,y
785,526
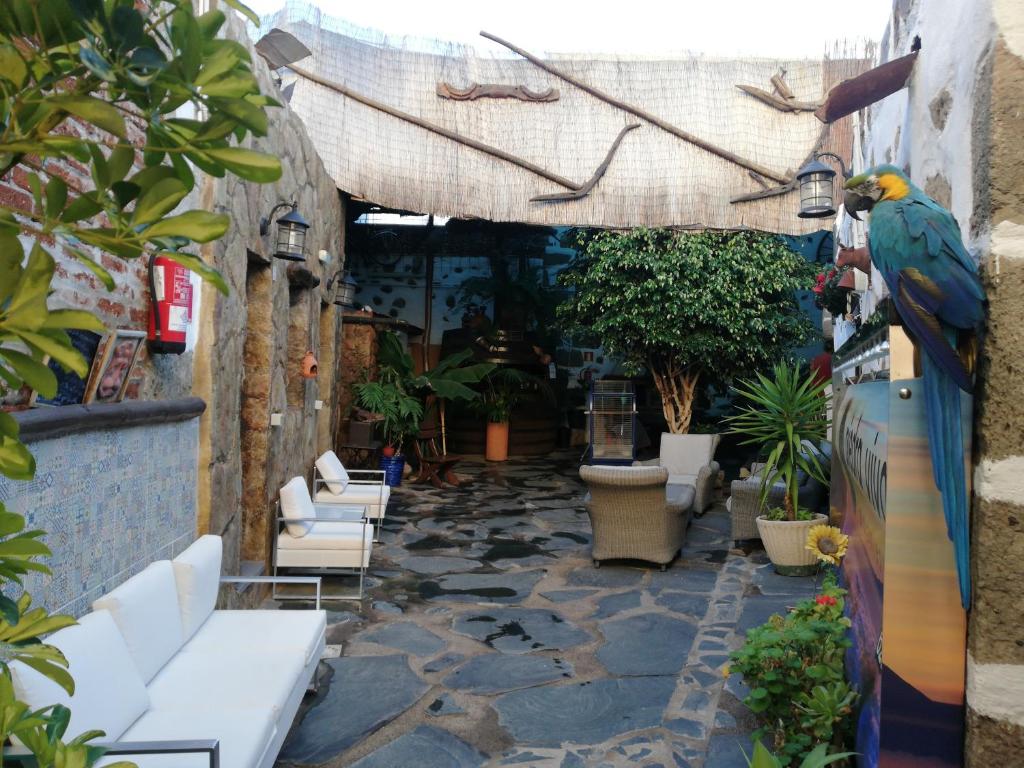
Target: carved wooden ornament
x,y
495,91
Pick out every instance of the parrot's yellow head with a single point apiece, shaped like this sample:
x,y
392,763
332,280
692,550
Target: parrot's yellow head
x,y
883,182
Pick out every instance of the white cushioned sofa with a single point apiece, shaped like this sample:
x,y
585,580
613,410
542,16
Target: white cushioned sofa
x,y
154,662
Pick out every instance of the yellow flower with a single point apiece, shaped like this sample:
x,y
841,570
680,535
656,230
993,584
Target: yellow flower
x,y
827,543
725,671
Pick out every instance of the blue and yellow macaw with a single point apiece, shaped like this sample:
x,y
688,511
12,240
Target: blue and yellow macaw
x,y
916,245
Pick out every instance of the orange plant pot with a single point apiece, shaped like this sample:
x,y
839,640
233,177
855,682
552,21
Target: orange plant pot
x,y
497,441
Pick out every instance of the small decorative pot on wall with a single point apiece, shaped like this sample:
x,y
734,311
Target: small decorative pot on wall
x,y
309,366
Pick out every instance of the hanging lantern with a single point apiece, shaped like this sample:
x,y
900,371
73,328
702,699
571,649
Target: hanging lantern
x,y
816,190
345,293
816,187
291,233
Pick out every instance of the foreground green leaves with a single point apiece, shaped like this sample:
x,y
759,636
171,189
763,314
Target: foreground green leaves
x,y
91,97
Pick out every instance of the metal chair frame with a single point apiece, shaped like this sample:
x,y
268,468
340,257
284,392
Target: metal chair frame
x,y
335,571
319,483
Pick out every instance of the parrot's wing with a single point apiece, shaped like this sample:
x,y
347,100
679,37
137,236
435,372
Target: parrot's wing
x,y
944,260
918,299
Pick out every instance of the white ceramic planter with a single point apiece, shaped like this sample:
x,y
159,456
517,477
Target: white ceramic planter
x,y
785,543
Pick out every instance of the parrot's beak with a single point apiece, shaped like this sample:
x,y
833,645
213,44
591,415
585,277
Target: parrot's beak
x,y
853,203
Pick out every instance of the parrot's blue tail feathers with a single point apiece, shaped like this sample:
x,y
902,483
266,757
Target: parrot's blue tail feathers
x,y
946,440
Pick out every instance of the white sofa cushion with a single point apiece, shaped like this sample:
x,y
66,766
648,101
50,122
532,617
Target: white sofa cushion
x,y
682,480
109,693
294,631
146,611
244,735
374,496
686,454
296,504
197,575
332,471
329,534
225,679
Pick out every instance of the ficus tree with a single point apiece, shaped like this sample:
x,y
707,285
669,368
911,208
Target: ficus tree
x,y
692,308
136,95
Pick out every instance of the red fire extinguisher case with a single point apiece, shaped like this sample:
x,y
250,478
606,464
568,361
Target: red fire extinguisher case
x,y
170,306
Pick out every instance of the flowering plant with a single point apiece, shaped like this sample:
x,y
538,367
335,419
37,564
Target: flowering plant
x,y
827,293
794,668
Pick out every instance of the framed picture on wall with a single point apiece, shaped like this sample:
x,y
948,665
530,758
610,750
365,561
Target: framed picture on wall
x,y
70,386
112,366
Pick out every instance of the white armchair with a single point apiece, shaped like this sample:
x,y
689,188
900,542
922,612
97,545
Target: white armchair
x,y
321,538
333,484
689,460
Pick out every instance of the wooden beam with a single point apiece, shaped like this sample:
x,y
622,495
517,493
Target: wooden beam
x,y
438,129
867,88
583,191
784,105
643,114
790,185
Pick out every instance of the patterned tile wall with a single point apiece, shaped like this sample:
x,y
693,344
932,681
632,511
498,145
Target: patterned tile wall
x,y
111,501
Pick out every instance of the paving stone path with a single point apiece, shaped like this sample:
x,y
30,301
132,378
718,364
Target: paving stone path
x,y
487,638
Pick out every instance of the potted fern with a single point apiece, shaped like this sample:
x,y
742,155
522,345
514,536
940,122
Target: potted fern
x,y
401,413
787,416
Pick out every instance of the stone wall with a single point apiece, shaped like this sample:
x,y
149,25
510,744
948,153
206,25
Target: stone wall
x,y
995,672
957,130
251,342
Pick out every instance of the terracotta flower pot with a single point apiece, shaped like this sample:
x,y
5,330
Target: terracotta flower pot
x,y
309,366
785,541
497,441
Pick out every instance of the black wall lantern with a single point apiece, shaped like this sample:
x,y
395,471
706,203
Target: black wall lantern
x,y
816,187
344,289
291,232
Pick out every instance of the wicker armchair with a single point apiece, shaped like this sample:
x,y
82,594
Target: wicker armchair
x,y
631,515
744,502
689,460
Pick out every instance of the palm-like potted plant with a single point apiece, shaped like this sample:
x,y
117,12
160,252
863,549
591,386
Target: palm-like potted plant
x,y
785,415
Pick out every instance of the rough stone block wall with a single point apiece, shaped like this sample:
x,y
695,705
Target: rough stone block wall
x,y
995,671
251,343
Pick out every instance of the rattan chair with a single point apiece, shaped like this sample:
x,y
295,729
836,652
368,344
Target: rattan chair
x,y
631,516
689,460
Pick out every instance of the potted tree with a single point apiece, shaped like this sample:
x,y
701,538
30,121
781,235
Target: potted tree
x,y
783,415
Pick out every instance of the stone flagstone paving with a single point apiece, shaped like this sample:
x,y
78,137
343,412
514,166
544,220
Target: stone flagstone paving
x,y
487,638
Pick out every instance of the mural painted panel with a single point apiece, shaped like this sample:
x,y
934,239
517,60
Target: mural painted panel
x,y
908,629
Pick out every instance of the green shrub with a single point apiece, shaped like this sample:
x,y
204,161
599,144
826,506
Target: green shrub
x,y
793,666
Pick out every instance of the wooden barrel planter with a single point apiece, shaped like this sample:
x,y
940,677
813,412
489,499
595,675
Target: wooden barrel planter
x,y
530,433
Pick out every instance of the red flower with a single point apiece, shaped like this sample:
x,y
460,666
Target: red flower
x,y
825,600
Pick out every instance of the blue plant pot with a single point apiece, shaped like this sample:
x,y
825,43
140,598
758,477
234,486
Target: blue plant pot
x,y
393,467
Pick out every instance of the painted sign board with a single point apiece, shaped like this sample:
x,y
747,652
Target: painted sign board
x,y
908,628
